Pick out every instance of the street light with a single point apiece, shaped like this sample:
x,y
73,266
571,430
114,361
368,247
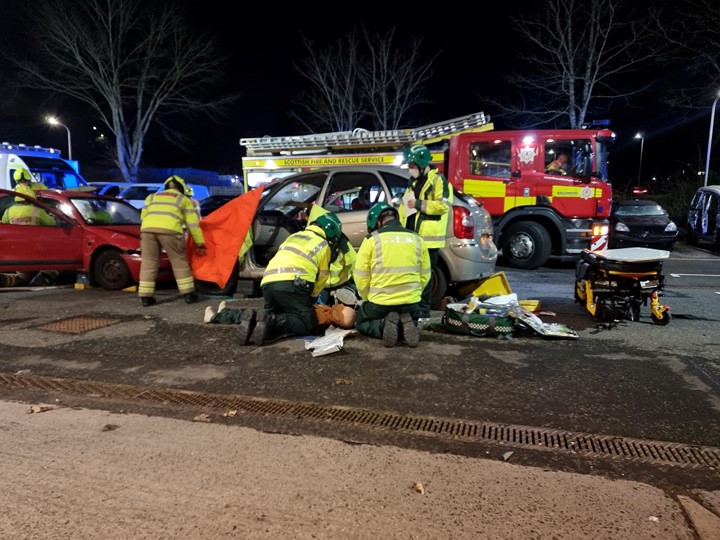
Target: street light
x,y
712,121
55,122
642,143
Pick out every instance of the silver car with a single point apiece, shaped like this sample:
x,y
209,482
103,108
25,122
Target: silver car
x,y
470,253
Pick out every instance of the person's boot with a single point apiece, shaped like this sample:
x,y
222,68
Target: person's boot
x,y
411,333
191,297
263,325
148,301
391,329
247,326
209,314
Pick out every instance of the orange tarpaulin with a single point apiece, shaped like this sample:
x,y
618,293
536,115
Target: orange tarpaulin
x,y
224,231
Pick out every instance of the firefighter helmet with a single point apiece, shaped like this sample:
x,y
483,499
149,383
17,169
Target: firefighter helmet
x,y
377,211
417,154
25,190
330,224
22,175
175,178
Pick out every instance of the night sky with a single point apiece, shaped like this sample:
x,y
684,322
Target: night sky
x,y
477,48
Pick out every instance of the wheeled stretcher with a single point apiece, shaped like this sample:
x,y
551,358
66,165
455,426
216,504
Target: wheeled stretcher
x,y
614,283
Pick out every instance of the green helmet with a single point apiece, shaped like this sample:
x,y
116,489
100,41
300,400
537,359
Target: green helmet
x,y
330,224
176,178
376,211
417,154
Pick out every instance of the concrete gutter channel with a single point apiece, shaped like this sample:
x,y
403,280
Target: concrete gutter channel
x,y
96,345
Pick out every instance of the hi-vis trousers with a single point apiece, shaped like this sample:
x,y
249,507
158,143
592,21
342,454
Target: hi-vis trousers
x,y
174,244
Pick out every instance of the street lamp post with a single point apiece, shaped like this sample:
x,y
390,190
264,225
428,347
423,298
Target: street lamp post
x,y
55,122
642,144
712,121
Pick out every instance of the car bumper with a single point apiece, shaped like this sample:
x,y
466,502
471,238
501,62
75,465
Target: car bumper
x,y
469,260
666,242
133,261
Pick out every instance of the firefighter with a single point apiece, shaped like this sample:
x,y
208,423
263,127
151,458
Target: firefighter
x,y
23,177
391,272
431,196
162,219
291,283
23,212
559,166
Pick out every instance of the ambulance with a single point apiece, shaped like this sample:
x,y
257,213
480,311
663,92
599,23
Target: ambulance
x,y
45,164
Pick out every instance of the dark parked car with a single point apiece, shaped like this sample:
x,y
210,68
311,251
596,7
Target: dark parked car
x,y
641,223
702,222
213,202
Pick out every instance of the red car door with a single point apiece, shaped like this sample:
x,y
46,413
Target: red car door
x,y
40,247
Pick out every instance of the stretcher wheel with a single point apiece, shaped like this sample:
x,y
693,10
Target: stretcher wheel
x,y
662,320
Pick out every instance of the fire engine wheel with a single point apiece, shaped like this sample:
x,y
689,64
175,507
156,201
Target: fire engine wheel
x,y
111,272
526,245
662,320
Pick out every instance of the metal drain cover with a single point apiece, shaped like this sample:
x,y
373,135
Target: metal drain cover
x,y
78,325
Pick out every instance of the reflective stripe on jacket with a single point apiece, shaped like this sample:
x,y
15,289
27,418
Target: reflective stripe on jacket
x,y
168,211
392,267
433,205
27,214
305,255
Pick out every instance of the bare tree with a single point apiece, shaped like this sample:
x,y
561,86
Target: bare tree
x,y
333,101
131,64
362,80
691,29
580,56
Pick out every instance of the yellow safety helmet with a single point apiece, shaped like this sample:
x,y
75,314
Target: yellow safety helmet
x,y
22,175
176,178
25,190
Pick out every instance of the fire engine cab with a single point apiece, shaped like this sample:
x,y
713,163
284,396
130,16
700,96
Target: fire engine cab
x,y
546,190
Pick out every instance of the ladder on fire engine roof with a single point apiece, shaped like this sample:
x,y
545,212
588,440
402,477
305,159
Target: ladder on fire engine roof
x,y
362,138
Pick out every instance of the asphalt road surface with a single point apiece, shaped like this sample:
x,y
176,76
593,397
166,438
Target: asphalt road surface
x,y
659,385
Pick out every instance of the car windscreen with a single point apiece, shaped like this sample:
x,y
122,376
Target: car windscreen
x,y
98,211
639,210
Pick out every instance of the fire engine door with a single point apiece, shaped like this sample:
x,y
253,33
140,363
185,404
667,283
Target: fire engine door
x,y
564,185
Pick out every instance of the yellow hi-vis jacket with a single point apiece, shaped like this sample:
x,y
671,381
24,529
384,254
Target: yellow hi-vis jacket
x,y
341,268
167,211
433,203
392,267
27,214
303,255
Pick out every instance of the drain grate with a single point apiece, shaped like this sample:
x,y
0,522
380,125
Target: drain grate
x,y
639,450
78,325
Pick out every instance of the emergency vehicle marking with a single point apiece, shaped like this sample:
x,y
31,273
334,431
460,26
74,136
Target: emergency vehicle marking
x,y
512,202
584,192
527,154
484,188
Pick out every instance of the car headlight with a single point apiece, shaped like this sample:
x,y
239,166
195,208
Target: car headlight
x,y
621,227
671,227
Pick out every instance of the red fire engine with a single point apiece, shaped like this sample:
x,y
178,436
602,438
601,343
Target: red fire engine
x,y
547,190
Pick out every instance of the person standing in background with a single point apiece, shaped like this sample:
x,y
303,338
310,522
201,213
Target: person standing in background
x,y
431,196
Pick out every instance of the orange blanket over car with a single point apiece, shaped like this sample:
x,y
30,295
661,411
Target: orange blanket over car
x,y
224,230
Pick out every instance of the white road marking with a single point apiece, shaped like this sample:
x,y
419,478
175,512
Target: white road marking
x,y
695,275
